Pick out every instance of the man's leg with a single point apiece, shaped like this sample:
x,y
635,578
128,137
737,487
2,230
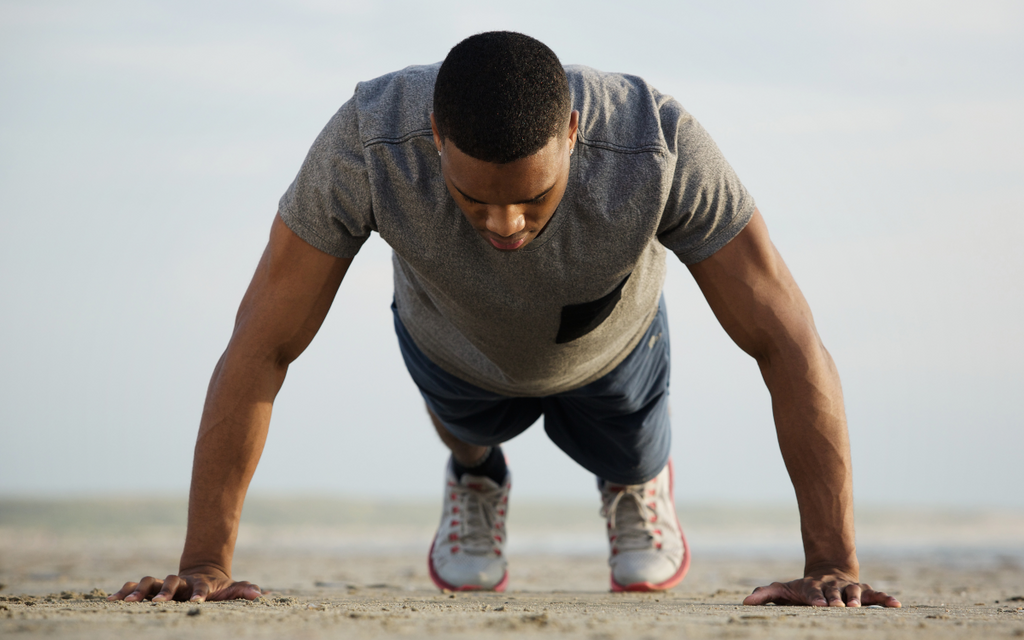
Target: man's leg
x,y
471,459
468,549
468,455
618,428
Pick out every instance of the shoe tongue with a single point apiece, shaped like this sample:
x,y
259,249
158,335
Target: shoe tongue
x,y
629,512
631,522
479,515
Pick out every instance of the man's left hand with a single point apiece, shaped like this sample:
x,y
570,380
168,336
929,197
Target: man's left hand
x,y
828,590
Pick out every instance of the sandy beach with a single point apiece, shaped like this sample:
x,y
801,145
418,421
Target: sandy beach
x,y
336,568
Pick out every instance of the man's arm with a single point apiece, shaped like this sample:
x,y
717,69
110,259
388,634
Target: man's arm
x,y
758,303
283,308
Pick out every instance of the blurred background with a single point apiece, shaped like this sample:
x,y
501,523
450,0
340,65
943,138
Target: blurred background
x,y
144,146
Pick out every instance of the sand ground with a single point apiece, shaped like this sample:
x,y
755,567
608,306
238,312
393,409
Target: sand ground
x,y
340,569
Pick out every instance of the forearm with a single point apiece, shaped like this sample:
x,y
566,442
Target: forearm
x,y
810,419
757,301
232,433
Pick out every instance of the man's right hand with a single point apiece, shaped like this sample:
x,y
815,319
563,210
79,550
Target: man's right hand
x,y
194,586
282,309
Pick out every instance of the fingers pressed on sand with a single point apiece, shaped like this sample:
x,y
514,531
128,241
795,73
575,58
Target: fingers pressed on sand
x,y
835,597
200,591
148,586
758,596
814,595
776,592
238,590
881,598
125,590
171,584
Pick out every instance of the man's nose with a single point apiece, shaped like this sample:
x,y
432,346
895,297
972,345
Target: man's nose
x,y
505,221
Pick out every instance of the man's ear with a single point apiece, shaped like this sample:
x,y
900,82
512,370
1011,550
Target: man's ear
x,y
574,123
438,140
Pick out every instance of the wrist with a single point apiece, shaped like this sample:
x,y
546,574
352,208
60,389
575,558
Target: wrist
x,y
207,551
203,570
829,551
195,564
847,568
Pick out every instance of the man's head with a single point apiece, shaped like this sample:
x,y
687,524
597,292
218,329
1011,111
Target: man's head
x,y
504,126
501,96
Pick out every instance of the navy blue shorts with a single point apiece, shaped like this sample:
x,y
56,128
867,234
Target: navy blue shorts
x,y
616,427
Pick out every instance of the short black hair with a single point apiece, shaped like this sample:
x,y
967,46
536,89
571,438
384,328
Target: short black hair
x,y
501,96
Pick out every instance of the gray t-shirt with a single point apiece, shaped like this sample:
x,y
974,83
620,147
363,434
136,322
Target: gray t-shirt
x,y
568,307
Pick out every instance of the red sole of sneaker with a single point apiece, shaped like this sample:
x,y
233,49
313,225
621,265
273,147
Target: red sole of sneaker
x,y
444,586
679,575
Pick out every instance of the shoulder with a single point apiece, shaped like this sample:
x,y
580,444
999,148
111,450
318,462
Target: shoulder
x,y
395,106
622,112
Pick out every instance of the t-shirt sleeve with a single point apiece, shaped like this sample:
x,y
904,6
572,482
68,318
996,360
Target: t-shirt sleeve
x,y
707,205
328,204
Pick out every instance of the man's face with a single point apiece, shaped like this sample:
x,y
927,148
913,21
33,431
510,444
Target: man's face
x,y
509,204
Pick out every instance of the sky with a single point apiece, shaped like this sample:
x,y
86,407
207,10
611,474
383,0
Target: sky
x,y
144,147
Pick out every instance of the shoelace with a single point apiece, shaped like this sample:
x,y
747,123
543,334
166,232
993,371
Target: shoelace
x,y
638,530
479,514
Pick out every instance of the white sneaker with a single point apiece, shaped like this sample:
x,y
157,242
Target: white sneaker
x,y
648,549
468,553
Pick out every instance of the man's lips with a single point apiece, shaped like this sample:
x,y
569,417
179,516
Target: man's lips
x,y
506,245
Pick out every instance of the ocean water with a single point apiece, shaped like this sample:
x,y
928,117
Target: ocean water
x,y
341,526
